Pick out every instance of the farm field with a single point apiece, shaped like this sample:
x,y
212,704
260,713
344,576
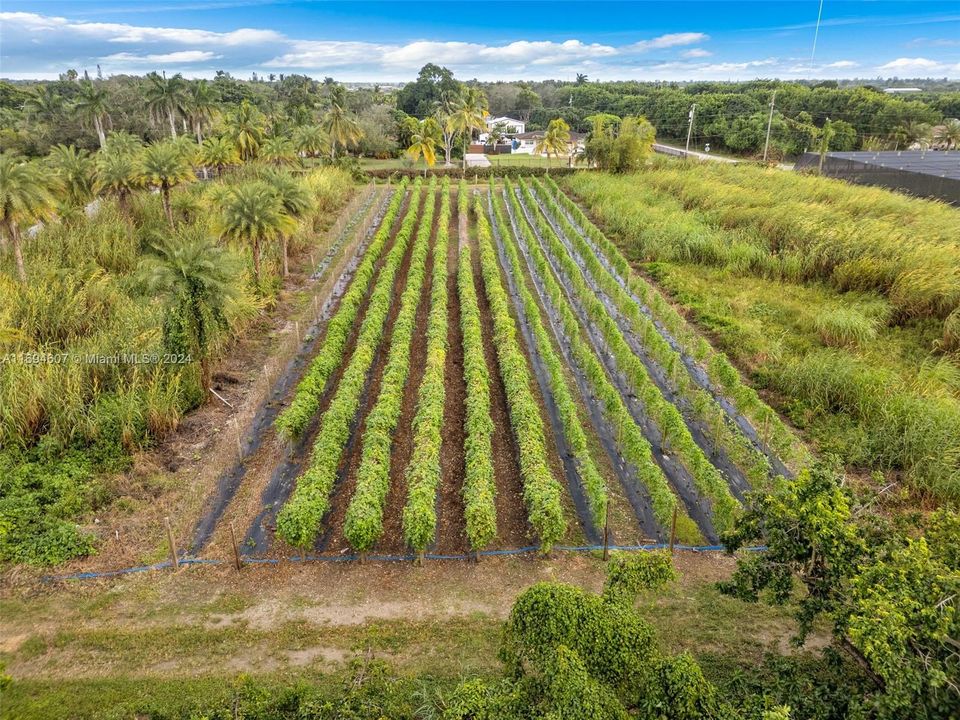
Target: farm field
x,y
840,302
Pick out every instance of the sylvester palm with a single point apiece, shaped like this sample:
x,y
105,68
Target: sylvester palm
x,y
218,153
253,214
24,199
309,140
73,171
948,134
91,105
296,202
194,274
278,151
118,175
164,167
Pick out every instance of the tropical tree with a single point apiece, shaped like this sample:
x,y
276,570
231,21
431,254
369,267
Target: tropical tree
x,y
218,153
118,175
424,144
195,275
91,105
252,214
309,140
164,167
167,97
24,199
948,134
123,143
278,151
468,114
245,127
201,106
73,170
556,140
45,104
339,125
296,202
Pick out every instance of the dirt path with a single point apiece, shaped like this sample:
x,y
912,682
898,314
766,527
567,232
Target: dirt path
x,y
332,539
451,527
513,530
392,539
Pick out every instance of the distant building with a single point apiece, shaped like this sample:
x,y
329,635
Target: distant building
x,y
924,173
526,143
509,125
899,91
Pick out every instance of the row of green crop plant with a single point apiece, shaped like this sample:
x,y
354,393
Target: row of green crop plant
x,y
295,418
423,472
800,240
736,445
676,435
634,446
781,439
594,486
479,487
541,490
299,521
930,219
363,524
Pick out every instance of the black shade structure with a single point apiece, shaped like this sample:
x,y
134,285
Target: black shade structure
x,y
924,173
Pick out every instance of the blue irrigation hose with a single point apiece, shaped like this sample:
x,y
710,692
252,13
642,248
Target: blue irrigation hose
x,y
250,560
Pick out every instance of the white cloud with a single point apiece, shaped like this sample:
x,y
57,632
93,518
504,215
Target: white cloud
x,y
668,41
919,66
173,58
696,53
842,64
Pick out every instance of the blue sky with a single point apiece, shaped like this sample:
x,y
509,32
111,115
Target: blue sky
x,y
490,40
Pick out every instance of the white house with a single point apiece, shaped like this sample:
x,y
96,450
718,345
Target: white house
x,y
526,142
508,125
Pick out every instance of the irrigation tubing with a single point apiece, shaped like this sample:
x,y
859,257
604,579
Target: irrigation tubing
x,y
253,560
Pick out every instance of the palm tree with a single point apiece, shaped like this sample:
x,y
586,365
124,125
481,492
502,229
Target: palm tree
x,y
218,153
44,104
295,200
118,175
253,214
948,134
469,114
123,143
24,198
245,127
423,144
581,78
195,274
340,127
309,140
201,106
91,105
166,97
278,151
556,140
73,170
164,166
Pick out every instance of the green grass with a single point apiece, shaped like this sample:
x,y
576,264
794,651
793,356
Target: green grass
x,y
523,159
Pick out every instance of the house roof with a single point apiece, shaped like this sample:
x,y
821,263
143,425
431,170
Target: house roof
x,y
504,119
537,134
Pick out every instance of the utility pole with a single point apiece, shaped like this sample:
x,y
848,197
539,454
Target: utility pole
x,y
693,111
824,143
766,145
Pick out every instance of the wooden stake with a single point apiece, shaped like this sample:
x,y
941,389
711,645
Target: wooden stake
x,y
606,535
420,559
673,529
173,546
236,549
236,426
296,327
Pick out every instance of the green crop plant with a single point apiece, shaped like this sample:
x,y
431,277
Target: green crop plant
x,y
845,326
363,523
541,491
298,522
753,463
675,434
783,441
294,419
423,472
594,486
479,488
633,445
